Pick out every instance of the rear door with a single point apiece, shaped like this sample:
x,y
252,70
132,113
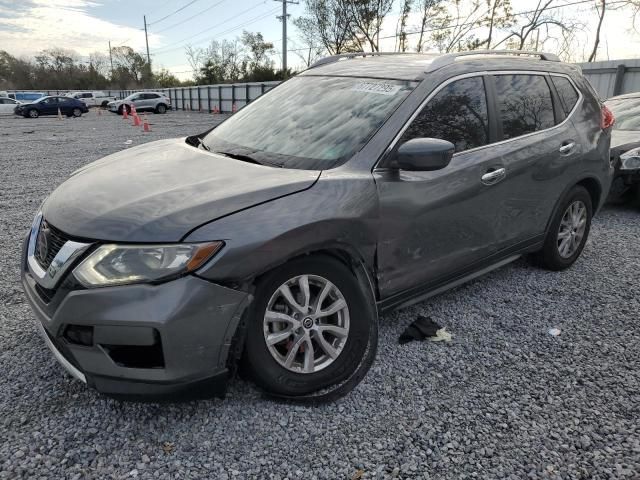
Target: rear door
x,y
538,146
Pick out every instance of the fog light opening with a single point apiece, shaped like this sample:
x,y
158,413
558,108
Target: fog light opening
x,y
79,335
137,356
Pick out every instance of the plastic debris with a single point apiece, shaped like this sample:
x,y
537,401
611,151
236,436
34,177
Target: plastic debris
x,y
554,332
441,336
128,142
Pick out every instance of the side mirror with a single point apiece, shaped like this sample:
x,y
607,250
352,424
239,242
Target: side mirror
x,y
424,154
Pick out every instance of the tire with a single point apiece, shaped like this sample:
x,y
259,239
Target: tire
x,y
556,253
76,112
332,377
33,113
161,108
104,104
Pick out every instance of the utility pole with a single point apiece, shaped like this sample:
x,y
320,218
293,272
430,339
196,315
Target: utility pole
x,y
284,33
146,39
111,59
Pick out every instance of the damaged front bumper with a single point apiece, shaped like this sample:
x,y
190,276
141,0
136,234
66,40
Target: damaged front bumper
x,y
145,342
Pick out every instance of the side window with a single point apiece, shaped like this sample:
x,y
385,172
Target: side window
x,y
525,104
457,113
62,99
566,92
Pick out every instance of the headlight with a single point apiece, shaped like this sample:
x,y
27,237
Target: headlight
x,y
630,160
123,264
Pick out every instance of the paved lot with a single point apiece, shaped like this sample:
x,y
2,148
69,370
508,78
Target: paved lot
x,y
503,400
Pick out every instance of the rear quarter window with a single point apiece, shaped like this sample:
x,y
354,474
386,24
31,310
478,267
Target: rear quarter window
x,y
567,93
524,104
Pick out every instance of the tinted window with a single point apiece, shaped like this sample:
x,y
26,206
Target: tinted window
x,y
566,92
627,113
457,113
524,102
310,122
63,99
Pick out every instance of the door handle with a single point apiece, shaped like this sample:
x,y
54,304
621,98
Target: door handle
x,y
567,147
494,176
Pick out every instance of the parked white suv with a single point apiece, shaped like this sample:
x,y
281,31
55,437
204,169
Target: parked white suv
x,y
156,102
93,99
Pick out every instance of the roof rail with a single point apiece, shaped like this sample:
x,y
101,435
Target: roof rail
x,y
449,58
335,58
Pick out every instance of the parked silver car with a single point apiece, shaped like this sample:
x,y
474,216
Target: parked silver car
x,y
156,102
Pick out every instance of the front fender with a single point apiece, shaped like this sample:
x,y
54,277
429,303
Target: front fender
x,y
340,212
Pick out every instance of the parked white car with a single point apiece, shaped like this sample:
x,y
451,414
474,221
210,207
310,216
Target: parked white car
x,y
8,105
93,99
156,102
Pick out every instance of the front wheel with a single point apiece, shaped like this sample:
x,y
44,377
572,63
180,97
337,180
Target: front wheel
x,y
311,329
568,231
33,113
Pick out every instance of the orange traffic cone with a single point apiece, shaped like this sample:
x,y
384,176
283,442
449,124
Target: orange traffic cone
x,y
134,111
136,120
234,108
60,115
216,110
125,114
145,126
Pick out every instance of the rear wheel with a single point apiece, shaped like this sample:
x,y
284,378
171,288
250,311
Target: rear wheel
x,y
568,231
161,108
76,112
33,113
312,332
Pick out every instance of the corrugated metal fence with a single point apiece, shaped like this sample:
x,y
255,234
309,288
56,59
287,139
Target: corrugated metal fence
x,y
609,78
613,77
205,98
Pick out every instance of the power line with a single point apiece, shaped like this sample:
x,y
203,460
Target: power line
x,y
255,19
191,17
173,13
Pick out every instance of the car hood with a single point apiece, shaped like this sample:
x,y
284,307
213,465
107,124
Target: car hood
x,y
160,191
624,140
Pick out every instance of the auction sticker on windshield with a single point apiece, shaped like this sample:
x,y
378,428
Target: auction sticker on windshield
x,y
377,87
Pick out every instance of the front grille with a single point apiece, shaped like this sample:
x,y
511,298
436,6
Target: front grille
x,y
54,238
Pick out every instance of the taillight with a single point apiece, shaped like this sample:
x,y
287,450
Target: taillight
x,y
606,117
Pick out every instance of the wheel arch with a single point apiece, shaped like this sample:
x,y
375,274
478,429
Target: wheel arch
x,y
591,184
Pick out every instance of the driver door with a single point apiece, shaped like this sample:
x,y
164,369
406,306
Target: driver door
x,y
438,224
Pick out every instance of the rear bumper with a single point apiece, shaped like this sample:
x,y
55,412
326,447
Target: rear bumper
x,y
191,321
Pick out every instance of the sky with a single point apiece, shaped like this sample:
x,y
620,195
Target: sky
x,y
87,26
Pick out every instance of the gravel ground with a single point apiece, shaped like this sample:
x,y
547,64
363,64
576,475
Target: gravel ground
x,y
504,399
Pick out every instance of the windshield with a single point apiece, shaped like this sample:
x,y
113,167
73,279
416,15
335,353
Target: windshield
x,y
130,97
627,113
310,122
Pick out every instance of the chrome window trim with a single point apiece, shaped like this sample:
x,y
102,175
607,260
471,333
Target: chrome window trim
x,y
69,252
482,74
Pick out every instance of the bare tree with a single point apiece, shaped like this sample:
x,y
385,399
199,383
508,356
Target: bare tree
x,y
401,29
427,8
499,15
309,39
601,11
453,25
195,57
366,17
538,19
332,25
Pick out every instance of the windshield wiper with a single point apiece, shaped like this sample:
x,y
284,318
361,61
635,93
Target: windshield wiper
x,y
197,142
240,156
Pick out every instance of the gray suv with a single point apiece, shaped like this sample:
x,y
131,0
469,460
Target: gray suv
x,y
273,241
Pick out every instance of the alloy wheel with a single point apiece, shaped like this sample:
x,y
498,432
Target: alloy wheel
x,y
306,324
572,228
